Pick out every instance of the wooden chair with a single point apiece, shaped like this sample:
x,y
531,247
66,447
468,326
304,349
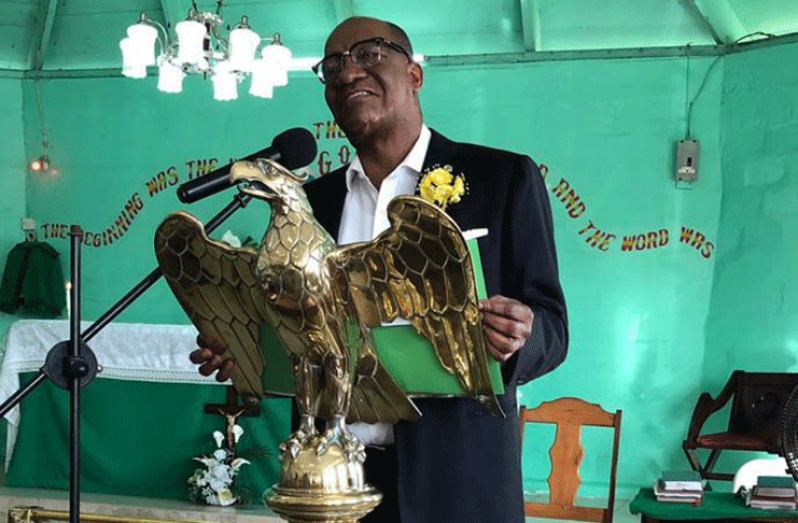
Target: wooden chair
x,y
570,415
757,400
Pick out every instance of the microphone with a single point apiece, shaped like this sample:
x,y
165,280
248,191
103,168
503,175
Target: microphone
x,y
292,149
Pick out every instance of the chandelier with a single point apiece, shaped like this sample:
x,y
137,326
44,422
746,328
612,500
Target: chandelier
x,y
199,48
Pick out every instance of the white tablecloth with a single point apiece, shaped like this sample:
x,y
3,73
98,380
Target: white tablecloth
x,y
125,351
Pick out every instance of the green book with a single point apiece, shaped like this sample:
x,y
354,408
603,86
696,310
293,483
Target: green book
x,y
681,480
775,481
681,475
776,486
406,354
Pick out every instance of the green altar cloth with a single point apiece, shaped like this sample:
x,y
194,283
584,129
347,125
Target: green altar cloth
x,y
715,505
138,439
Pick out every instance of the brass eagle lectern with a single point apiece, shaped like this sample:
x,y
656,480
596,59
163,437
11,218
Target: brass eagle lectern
x,y
316,295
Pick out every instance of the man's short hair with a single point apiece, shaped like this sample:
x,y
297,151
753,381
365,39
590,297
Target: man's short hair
x,y
400,37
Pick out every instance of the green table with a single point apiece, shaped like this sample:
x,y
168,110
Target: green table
x,y
718,506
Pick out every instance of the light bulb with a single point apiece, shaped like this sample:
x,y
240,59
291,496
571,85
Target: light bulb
x,y
277,57
262,85
132,65
224,82
170,77
243,44
40,164
143,37
190,36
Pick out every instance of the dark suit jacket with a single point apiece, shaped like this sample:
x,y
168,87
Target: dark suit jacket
x,y
458,463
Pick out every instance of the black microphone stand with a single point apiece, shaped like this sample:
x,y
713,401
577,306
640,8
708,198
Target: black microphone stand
x,y
72,365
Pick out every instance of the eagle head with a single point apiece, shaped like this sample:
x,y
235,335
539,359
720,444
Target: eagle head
x,y
266,180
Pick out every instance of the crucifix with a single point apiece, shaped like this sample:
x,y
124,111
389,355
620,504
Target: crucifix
x,y
232,410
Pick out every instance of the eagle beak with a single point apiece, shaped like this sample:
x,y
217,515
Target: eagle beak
x,y
254,181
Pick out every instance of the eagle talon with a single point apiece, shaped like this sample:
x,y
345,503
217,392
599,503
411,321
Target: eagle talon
x,y
296,440
337,434
307,425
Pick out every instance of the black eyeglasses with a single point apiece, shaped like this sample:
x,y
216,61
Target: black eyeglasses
x,y
365,54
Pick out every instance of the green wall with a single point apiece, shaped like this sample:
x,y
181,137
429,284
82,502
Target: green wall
x,y
605,130
758,254
753,317
12,173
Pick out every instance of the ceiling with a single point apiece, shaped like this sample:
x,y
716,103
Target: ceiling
x,y
68,35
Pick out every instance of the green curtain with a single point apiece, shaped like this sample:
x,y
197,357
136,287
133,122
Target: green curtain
x,y
139,438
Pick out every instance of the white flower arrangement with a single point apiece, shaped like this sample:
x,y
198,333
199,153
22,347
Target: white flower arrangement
x,y
213,483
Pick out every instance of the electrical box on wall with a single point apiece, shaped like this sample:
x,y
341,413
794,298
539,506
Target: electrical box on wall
x,y
29,226
686,168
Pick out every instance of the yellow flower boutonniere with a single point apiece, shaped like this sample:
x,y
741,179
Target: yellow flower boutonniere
x,y
441,187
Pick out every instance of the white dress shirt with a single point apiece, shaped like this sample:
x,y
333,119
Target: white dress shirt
x,y
364,216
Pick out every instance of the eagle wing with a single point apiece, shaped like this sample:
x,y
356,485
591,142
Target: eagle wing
x,y
217,288
420,269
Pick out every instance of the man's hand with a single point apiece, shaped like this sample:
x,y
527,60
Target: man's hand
x,y
506,324
209,355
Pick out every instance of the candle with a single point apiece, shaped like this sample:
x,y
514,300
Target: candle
x,y
68,287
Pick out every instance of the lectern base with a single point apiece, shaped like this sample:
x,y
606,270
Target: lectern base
x,y
321,483
304,507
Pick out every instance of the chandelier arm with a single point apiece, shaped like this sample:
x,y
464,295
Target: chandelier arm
x,y
165,42
219,40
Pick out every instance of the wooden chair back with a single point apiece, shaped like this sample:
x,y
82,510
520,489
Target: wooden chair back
x,y
570,415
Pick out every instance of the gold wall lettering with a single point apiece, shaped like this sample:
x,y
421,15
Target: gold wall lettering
x,y
573,203
596,238
334,154
161,181
166,179
645,241
327,130
114,232
158,184
564,194
201,167
331,155
696,240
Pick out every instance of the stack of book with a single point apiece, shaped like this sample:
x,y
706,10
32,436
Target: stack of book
x,y
680,486
773,493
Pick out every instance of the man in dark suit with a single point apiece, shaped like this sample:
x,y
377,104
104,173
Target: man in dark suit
x,y
458,463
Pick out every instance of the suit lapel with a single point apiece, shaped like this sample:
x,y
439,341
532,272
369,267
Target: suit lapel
x,y
443,151
440,151
327,196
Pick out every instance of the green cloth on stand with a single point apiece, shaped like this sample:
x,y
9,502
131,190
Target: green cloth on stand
x,y
715,505
33,279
